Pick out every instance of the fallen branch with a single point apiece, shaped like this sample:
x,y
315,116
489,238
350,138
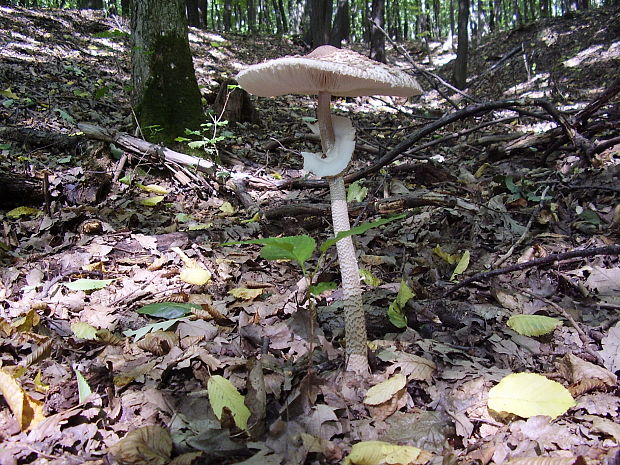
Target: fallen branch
x,y
484,276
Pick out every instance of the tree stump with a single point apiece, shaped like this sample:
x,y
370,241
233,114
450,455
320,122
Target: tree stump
x,y
234,105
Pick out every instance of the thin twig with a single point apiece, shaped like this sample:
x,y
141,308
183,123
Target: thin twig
x,y
484,276
582,335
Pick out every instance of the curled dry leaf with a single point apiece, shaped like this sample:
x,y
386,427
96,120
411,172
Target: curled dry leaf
x,y
28,411
108,337
149,445
159,342
577,370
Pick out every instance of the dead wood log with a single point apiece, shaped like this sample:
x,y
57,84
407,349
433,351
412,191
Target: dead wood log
x,y
20,190
385,206
37,138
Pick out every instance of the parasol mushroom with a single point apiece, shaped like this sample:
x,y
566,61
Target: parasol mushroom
x,y
328,71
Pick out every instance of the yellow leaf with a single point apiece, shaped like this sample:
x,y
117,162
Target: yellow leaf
x,y
222,393
154,188
28,411
152,201
8,93
385,390
529,394
461,266
39,385
379,452
245,293
227,208
533,325
197,275
449,258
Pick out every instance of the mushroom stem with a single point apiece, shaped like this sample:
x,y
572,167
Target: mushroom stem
x,y
324,117
354,319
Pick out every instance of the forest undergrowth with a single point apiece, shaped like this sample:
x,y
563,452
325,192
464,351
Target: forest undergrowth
x,y
509,196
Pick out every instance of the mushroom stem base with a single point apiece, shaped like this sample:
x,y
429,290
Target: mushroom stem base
x,y
355,321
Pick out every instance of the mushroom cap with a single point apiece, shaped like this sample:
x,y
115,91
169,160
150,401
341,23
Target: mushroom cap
x,y
327,69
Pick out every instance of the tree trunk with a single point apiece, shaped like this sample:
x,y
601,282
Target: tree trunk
x,y
320,22
227,15
341,29
282,13
90,4
251,14
165,96
193,13
377,39
460,64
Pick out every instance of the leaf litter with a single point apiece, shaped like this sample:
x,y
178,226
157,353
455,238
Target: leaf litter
x,y
144,378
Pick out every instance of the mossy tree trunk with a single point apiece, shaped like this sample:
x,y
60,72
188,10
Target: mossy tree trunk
x,y
166,97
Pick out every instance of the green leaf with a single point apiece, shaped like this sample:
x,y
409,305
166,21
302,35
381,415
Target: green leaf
x,y
23,211
141,332
533,325
83,388
461,266
319,288
369,278
222,393
152,201
88,284
528,395
167,310
296,248
395,311
356,193
361,229
84,330
65,116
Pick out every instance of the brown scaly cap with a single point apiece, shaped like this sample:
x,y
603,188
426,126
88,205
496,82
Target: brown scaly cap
x,y
327,69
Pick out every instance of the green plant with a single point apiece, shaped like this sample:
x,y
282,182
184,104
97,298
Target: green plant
x,y
300,249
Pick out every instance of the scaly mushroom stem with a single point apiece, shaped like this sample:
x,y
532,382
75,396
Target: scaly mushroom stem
x,y
354,319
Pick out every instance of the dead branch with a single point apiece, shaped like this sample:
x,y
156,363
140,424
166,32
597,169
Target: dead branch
x,y
384,206
407,143
484,276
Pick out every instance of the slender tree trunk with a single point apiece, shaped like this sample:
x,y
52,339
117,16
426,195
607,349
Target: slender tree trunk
x,y
251,14
320,22
377,39
278,15
516,11
227,15
341,28
436,19
90,4
460,64
165,96
193,13
282,11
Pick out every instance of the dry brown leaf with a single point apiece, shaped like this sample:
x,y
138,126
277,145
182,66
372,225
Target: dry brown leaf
x,y
159,342
583,375
108,337
149,445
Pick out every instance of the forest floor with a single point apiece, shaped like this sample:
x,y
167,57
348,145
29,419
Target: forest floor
x,y
93,233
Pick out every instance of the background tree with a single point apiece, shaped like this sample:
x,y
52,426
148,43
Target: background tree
x,y
459,75
377,39
166,97
341,29
320,20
